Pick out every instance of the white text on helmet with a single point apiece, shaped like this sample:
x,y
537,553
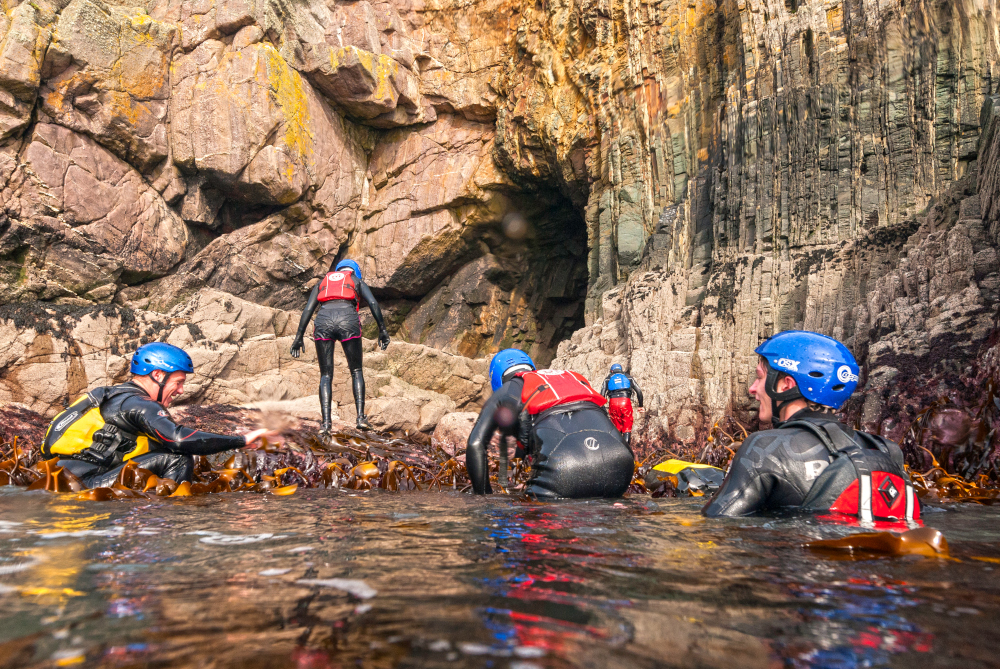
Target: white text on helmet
x,y
787,363
845,374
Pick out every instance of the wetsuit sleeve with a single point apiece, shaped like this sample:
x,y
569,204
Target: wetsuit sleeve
x,y
604,386
482,434
366,295
637,389
149,418
307,313
745,489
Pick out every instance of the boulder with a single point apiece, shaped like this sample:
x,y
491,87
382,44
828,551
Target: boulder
x,y
452,432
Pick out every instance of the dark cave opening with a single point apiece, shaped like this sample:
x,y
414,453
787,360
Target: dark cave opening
x,y
522,284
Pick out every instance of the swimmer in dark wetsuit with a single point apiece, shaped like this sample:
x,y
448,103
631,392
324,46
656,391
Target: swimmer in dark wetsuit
x,y
134,425
338,297
573,448
618,388
811,460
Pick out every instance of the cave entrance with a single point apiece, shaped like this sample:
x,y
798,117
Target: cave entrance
x,y
523,283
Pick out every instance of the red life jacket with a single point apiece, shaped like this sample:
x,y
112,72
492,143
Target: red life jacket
x,y
563,387
337,286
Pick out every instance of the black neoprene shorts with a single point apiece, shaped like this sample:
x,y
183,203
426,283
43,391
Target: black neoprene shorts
x,y
336,323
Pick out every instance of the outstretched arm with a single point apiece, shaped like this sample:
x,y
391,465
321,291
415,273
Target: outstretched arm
x,y
604,388
637,389
366,295
307,315
149,418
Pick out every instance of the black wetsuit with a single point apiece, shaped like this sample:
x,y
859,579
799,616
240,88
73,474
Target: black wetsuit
x,y
574,449
624,392
127,408
778,468
338,320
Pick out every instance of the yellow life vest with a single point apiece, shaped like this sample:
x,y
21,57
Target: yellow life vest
x,y
80,433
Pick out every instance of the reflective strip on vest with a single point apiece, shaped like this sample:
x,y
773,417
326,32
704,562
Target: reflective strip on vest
x,y
909,502
865,498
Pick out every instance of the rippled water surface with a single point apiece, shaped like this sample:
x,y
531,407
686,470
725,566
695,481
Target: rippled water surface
x,y
335,579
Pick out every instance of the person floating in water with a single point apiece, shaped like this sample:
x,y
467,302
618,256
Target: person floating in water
x,y
557,417
96,436
619,388
811,460
338,297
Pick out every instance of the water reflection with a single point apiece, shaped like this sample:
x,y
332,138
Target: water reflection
x,y
335,579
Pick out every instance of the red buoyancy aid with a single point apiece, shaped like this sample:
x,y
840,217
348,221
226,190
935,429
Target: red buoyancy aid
x,y
563,387
337,286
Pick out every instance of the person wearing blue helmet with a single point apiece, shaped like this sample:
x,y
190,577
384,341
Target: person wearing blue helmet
x,y
560,427
338,297
108,427
810,460
618,388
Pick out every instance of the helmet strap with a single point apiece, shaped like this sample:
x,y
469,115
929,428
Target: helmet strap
x,y
778,400
161,384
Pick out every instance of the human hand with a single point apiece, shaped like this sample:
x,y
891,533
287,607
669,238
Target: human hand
x,y
383,339
297,347
256,438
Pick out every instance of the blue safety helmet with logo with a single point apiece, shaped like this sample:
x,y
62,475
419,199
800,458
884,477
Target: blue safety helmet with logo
x,y
824,370
508,362
162,356
616,368
349,264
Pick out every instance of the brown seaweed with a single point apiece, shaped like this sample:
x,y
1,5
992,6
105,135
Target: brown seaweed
x,y
925,541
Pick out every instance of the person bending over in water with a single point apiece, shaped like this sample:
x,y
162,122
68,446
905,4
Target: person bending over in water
x,y
110,426
811,460
618,388
574,449
338,297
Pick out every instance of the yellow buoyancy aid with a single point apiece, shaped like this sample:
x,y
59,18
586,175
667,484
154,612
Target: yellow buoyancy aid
x,y
80,433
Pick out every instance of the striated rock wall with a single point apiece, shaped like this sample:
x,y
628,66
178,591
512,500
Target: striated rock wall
x,y
667,182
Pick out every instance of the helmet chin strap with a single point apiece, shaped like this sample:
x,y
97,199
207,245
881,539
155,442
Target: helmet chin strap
x,y
161,384
778,400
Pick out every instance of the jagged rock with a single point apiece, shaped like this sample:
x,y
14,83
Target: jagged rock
x,y
102,222
23,40
107,75
411,239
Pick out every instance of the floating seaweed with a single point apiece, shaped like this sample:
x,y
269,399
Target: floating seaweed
x,y
925,541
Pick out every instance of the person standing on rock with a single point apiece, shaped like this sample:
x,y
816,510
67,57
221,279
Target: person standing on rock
x,y
618,388
561,428
96,436
338,297
811,460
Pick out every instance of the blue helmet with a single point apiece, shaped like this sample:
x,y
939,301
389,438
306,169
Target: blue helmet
x,y
508,360
616,368
162,356
349,264
824,370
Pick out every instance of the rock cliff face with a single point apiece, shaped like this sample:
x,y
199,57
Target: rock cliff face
x,y
667,183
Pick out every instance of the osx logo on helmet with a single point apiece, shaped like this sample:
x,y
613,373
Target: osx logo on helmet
x,y
787,363
846,375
